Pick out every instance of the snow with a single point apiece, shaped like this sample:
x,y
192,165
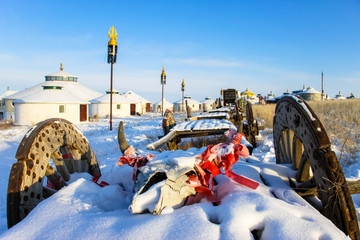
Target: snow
x,y
203,124
214,115
83,210
310,90
225,109
303,105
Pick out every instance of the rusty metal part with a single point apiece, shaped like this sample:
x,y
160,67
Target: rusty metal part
x,y
56,139
301,140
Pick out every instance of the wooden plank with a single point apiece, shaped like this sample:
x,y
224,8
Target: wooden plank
x,y
168,137
206,117
185,134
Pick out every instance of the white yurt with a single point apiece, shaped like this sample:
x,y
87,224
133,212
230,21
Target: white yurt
x,y
339,96
121,106
59,96
249,96
310,94
270,98
143,105
6,110
167,105
195,105
207,104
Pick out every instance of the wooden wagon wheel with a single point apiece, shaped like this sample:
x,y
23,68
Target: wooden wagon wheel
x,y
70,151
252,129
301,140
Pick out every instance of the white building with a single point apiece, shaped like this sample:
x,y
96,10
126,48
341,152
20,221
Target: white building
x,y
6,111
167,105
270,96
249,96
143,105
121,106
195,105
207,104
310,94
339,96
59,96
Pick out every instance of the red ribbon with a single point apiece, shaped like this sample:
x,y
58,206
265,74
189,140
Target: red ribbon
x,y
96,179
68,155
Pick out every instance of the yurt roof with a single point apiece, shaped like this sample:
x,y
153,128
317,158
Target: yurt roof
x,y
51,96
339,96
166,103
7,93
61,73
115,91
310,90
133,95
75,88
188,99
116,98
208,100
247,92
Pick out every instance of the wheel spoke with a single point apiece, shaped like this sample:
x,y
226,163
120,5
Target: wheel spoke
x,y
48,192
54,177
68,158
307,188
285,156
298,150
304,170
286,135
60,165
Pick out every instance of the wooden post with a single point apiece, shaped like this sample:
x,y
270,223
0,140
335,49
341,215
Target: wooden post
x,y
322,86
163,82
111,91
162,100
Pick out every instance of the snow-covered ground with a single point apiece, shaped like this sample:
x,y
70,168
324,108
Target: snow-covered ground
x,y
83,210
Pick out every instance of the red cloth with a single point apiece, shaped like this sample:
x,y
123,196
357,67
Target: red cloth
x,y
213,161
96,179
217,160
133,160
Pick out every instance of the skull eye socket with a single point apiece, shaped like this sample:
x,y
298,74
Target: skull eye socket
x,y
157,177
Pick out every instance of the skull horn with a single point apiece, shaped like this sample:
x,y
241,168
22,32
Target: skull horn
x,y
123,144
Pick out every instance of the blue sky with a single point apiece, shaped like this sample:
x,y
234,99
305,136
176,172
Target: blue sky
x,y
261,45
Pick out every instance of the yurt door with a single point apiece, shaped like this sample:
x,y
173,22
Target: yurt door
x,y
148,107
83,112
132,109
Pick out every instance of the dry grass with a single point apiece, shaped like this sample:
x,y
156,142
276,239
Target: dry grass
x,y
340,118
4,124
264,114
